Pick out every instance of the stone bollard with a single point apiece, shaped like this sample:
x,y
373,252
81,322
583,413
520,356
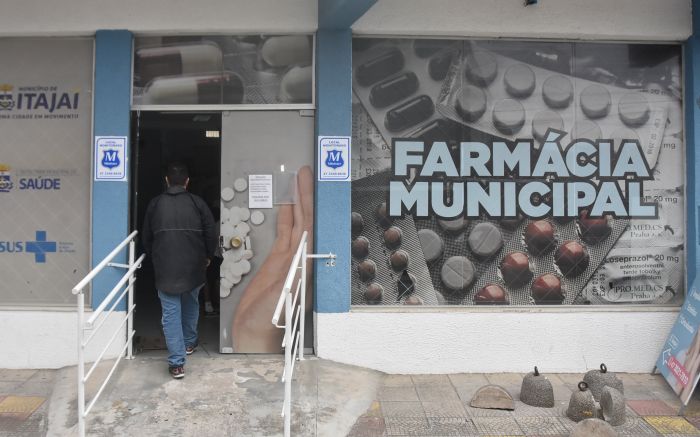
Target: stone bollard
x,y
612,402
593,428
537,390
581,405
597,379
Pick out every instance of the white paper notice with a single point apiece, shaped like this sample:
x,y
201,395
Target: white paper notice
x,y
260,191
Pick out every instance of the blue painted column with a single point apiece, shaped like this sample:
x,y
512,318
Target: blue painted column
x,y
334,118
110,200
692,135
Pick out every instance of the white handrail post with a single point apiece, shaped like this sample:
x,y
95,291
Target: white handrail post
x,y
81,365
302,304
288,323
130,300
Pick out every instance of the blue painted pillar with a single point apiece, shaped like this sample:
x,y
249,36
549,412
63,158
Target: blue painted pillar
x,y
110,200
334,118
692,135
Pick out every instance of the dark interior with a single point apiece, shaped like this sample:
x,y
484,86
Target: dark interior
x,y
159,138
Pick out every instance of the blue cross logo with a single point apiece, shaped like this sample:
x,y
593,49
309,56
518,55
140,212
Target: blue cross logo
x,y
40,247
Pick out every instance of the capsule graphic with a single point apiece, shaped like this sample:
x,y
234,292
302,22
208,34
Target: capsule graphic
x,y
154,62
211,89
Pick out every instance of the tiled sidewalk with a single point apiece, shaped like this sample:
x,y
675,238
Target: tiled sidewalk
x,y
438,405
24,396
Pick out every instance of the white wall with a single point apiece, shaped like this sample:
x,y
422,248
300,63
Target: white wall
x,y
48,339
470,341
41,17
563,19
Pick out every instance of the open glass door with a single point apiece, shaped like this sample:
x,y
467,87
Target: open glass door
x,y
267,199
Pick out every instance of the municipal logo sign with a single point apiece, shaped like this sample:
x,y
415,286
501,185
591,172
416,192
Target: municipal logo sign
x,y
334,158
7,100
5,179
110,158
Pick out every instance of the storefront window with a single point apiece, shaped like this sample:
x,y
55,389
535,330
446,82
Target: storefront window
x,y
45,120
517,173
223,70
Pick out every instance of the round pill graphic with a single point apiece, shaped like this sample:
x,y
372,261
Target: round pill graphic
x,y
508,116
587,130
367,270
399,260
240,185
383,217
539,237
257,217
547,289
481,68
413,300
243,214
471,103
453,225
557,91
485,240
360,247
357,223
571,258
593,230
374,293
634,109
431,243
519,81
543,121
295,86
595,101
457,273
491,294
393,237
515,268
227,194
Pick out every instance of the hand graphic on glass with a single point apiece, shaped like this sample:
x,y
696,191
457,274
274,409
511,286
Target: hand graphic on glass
x,y
252,331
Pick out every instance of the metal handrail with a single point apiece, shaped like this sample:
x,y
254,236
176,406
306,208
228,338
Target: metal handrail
x,y
118,292
294,304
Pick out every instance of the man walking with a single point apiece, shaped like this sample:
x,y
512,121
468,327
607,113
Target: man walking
x,y
180,238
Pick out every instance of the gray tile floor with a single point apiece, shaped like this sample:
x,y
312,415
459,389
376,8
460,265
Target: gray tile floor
x,y
225,395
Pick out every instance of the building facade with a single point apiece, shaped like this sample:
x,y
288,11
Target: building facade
x,y
520,187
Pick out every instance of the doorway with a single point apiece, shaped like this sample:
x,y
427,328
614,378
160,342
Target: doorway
x,y
254,169
159,138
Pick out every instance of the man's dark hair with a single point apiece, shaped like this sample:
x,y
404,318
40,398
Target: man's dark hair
x,y
177,173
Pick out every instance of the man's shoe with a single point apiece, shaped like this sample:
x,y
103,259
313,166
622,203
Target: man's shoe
x,y
189,350
177,372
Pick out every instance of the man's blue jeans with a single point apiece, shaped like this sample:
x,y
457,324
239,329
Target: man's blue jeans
x,y
180,316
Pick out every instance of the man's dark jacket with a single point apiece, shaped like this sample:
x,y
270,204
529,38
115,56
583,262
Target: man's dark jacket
x,y
179,235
